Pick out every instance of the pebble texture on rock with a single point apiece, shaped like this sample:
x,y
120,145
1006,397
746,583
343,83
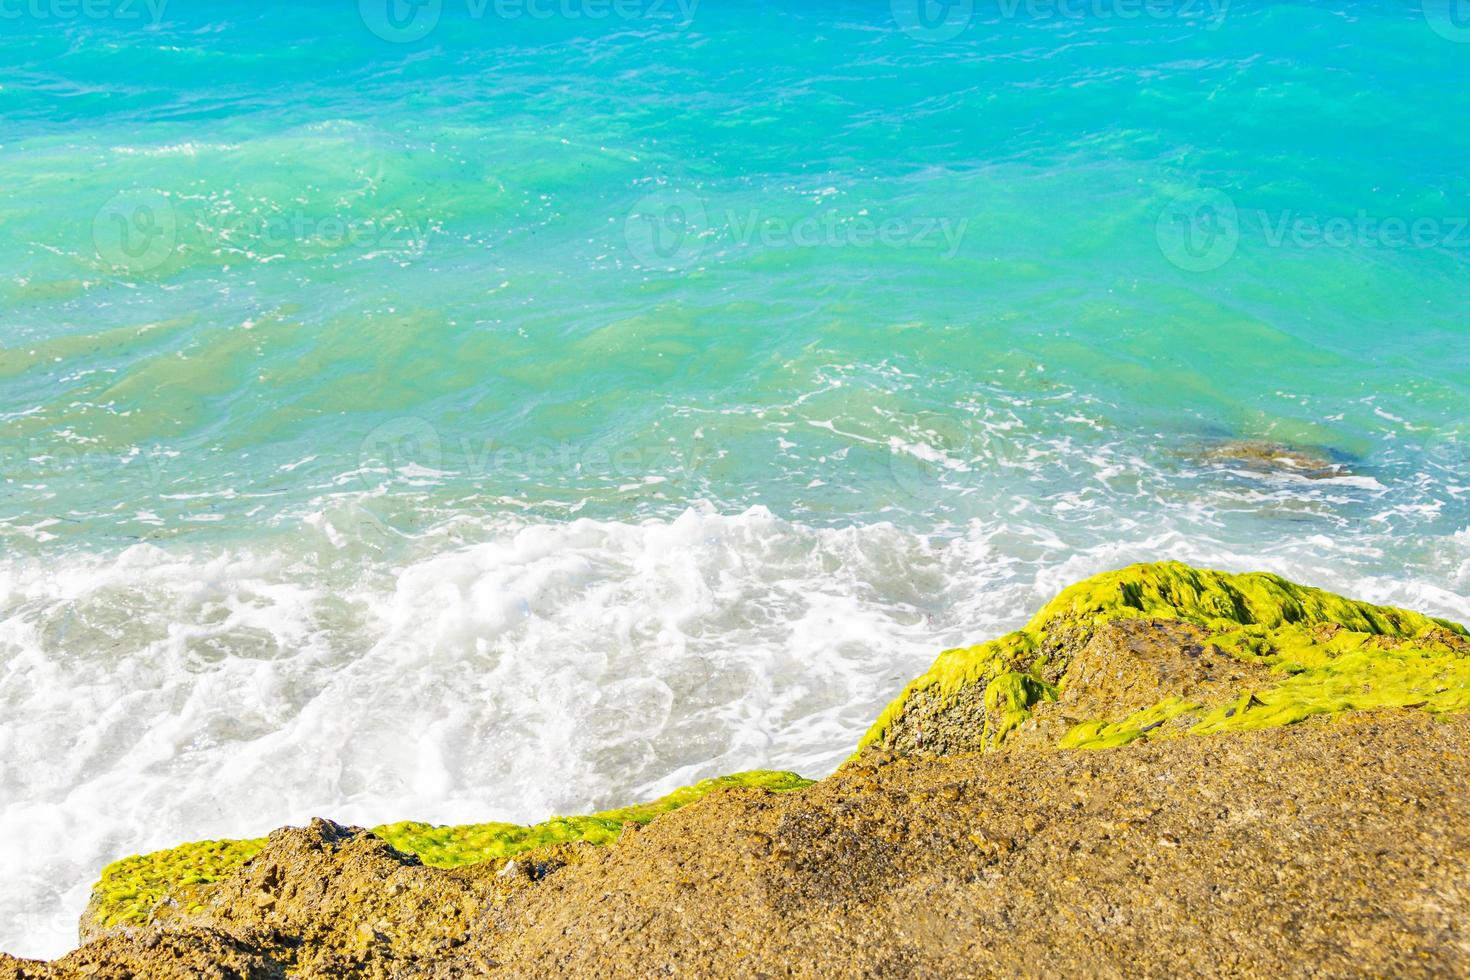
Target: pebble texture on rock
x,y
1333,849
1161,650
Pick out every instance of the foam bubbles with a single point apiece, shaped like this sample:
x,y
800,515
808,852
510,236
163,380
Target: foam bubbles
x,y
534,669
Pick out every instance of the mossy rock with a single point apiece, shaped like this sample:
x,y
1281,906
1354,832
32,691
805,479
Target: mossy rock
x,y
1273,458
139,890
1161,650
1151,651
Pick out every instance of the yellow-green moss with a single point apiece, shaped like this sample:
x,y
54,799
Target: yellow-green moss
x,y
965,667
1327,655
452,847
1322,673
1253,608
131,888
1009,698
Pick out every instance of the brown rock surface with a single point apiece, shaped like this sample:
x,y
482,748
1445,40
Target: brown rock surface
x,y
185,954
1267,458
1111,670
1336,849
1129,664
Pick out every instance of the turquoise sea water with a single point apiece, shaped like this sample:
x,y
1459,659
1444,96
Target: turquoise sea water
x,y
463,410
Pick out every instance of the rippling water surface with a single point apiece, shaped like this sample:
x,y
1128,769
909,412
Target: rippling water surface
x,y
467,411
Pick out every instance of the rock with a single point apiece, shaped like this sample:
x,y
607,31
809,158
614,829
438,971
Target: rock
x,y
332,896
186,954
1266,458
1156,651
159,887
964,840
1181,861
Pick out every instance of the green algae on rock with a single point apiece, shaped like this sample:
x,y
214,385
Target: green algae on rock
x,y
1265,457
1140,655
453,847
1333,851
1147,652
1326,670
131,889
1165,649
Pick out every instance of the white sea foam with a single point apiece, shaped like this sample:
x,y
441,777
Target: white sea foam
x,y
493,670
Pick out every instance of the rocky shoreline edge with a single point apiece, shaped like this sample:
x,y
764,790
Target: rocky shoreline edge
x,y
1166,771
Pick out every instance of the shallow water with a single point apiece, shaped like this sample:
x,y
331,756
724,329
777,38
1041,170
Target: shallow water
x,y
485,414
